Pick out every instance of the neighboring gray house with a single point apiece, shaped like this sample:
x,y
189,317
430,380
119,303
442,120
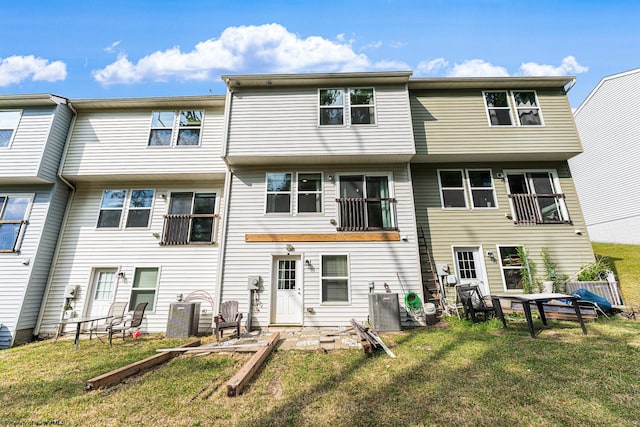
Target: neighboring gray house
x,y
33,131
606,173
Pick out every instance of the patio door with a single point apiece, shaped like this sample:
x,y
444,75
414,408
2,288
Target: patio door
x,y
102,292
470,268
287,298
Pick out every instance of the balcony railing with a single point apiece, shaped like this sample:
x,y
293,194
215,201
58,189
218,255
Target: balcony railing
x,y
358,214
535,209
184,229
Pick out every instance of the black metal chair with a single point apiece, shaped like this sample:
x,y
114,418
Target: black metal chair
x,y
229,317
474,303
134,322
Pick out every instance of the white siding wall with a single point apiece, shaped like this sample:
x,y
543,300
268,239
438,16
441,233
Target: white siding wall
x,y
56,141
183,269
15,272
606,173
22,159
275,122
112,143
368,261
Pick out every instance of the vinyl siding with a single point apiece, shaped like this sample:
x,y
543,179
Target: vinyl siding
x,y
376,262
21,162
182,269
55,143
19,278
110,144
284,122
489,228
606,173
453,124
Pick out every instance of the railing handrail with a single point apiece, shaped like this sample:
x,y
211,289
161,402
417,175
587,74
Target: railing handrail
x,y
354,215
177,229
527,210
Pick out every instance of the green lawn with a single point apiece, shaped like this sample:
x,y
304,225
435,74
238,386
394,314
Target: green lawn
x,y
625,260
451,374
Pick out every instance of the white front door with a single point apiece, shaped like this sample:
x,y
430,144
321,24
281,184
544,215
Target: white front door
x,y
102,292
470,268
287,307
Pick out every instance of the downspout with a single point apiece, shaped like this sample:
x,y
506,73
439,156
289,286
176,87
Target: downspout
x,y
227,201
572,83
65,219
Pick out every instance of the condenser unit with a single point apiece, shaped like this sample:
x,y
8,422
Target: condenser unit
x,y
384,312
184,318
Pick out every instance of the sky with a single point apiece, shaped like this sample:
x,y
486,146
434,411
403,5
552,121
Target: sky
x,y
118,49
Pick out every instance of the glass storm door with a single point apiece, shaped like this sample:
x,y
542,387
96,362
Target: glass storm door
x,y
288,293
103,292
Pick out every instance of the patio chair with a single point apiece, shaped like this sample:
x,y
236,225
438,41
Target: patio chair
x,y
134,322
116,311
229,317
473,302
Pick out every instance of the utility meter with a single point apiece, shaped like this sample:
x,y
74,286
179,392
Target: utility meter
x,y
253,284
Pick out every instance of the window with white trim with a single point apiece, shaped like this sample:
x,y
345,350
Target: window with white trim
x,y
309,189
13,220
191,219
459,185
335,279
511,267
365,203
8,124
518,107
144,286
175,128
278,198
359,108
135,205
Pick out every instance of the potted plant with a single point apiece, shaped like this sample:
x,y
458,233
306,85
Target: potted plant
x,y
67,310
549,283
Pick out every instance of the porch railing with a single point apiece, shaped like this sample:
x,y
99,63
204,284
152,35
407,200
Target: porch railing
x,y
357,214
184,229
534,209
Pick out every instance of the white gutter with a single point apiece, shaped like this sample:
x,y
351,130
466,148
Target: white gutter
x,y
63,225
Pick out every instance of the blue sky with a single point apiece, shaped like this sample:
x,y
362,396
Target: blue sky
x,y
114,48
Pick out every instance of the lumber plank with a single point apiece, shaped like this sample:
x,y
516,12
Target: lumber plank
x,y
244,375
119,374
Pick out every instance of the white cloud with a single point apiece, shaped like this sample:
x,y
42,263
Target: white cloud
x,y
431,67
477,68
373,45
569,66
390,65
264,48
15,69
112,46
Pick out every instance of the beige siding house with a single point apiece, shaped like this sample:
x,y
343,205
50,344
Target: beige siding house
x,y
33,131
321,207
490,175
143,224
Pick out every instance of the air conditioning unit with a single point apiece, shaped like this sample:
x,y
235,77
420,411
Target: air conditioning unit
x,y
384,312
184,318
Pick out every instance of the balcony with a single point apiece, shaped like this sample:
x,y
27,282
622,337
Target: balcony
x,y
187,229
536,209
375,214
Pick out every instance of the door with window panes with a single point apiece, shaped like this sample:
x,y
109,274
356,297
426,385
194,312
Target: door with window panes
x,y
103,291
287,307
470,269
191,218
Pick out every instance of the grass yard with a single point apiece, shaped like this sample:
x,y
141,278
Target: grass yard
x,y
454,373
625,260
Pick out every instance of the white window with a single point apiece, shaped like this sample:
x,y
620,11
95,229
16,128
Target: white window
x,y
452,193
503,106
511,267
333,107
536,198
143,289
13,219
134,204
335,279
177,128
309,190
455,190
278,199
365,203
191,219
527,109
8,125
